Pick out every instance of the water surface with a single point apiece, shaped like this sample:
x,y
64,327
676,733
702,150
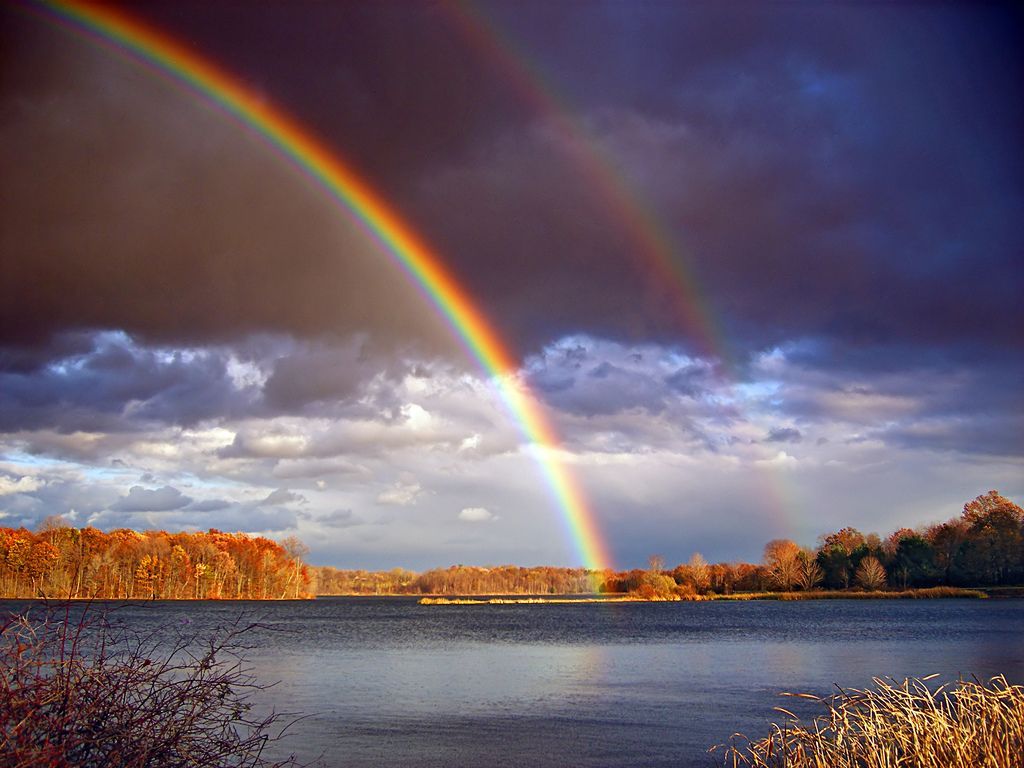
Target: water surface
x,y
394,684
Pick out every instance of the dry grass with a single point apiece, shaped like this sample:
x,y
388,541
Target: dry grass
x,y
896,724
823,594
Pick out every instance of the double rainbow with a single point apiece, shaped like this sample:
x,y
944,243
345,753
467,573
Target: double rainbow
x,y
128,35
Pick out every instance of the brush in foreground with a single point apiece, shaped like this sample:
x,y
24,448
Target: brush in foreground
x,y
897,724
79,690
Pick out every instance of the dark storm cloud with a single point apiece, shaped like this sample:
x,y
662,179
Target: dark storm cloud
x,y
851,172
107,382
128,204
322,375
784,435
114,384
974,409
139,499
282,496
817,177
987,435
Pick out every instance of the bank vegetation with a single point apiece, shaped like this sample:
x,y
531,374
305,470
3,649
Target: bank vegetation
x,y
981,548
893,724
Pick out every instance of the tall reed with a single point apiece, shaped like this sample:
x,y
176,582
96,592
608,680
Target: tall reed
x,y
896,724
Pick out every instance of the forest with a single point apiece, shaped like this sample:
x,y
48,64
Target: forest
x,y
61,562
983,547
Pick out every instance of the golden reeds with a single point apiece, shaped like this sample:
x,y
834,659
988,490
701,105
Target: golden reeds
x,y
852,594
894,725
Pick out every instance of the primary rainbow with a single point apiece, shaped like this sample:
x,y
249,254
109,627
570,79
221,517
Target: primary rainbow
x,y
336,178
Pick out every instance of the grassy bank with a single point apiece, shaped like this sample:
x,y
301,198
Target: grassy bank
x,y
894,724
821,594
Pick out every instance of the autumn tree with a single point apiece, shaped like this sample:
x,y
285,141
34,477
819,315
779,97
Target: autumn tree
x,y
848,539
839,555
809,573
781,558
62,562
699,572
994,541
871,573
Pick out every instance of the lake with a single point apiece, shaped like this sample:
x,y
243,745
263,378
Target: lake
x,y
391,683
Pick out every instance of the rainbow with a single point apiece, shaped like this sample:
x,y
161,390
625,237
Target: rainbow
x,y
660,254
662,258
127,35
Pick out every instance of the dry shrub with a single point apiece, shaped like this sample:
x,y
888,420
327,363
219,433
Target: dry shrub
x,y
897,724
78,689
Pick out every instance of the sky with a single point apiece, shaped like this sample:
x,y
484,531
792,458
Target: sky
x,y
760,265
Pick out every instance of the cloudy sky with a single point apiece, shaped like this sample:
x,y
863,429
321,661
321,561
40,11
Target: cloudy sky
x,y
761,267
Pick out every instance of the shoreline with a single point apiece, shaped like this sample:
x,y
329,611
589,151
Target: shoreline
x,y
933,593
930,593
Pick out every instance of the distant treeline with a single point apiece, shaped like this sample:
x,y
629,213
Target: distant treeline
x,y
61,562
456,580
982,547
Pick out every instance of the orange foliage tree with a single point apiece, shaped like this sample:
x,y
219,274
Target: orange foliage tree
x,y
58,561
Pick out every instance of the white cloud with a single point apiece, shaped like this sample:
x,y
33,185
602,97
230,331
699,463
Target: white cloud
x,y
780,460
24,484
404,493
476,515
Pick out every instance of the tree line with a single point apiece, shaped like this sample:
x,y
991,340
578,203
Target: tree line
x,y
456,580
60,562
984,546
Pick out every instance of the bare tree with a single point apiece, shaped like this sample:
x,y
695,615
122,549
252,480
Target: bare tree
x,y
871,573
809,573
700,572
87,692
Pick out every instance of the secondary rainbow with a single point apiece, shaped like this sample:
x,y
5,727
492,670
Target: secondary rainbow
x,y
657,251
141,41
